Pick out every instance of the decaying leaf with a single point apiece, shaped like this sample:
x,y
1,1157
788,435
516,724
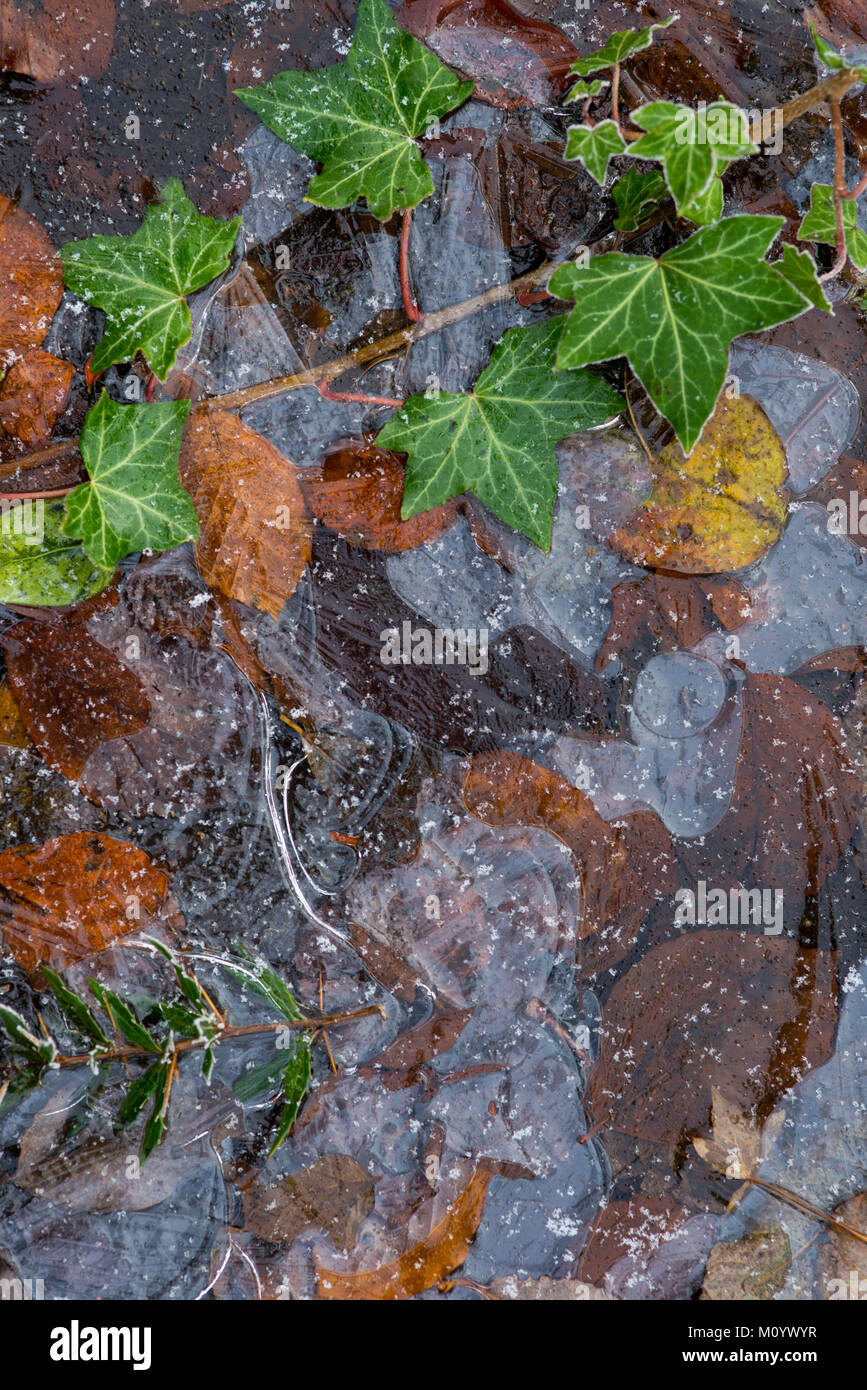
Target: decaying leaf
x,y
255,526
31,282
752,1268
726,1009
844,1258
545,1290
425,1263
77,894
32,395
719,509
635,1226
739,1144
12,730
515,61
664,613
59,666
333,1195
56,40
621,862
357,490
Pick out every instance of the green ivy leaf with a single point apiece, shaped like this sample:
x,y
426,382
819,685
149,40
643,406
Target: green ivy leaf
x,y
799,268
48,572
820,224
296,1080
140,280
691,144
635,195
134,500
75,1008
187,983
594,146
498,440
707,207
360,119
582,90
674,318
620,45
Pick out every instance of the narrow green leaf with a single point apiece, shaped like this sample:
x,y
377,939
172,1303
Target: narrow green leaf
x,y
831,57
360,119
259,1080
208,1063
188,985
140,281
296,1080
41,1051
259,977
124,1018
39,565
674,318
156,1124
820,224
498,440
75,1008
134,500
139,1094
594,146
636,194
620,45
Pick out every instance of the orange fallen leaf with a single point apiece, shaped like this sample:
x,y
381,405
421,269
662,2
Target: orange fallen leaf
x,y
12,730
32,395
31,282
57,38
356,491
76,895
622,862
255,527
424,1264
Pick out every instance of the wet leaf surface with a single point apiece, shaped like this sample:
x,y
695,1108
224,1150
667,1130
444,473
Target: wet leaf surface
x,y
32,282
254,540
76,895
57,40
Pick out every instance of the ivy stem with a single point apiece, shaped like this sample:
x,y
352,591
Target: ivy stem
x,y
226,1034
34,496
326,391
858,189
839,189
411,309
615,94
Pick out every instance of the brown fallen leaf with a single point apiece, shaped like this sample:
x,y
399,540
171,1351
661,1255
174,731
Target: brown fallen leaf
x,y
844,1258
425,1263
255,526
720,508
664,613
57,39
726,1009
546,1290
753,1268
794,805
333,1195
514,60
59,667
31,280
635,1227
622,862
32,395
12,729
76,895
356,491
739,1144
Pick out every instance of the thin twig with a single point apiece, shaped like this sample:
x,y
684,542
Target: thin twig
x,y
803,1205
227,1034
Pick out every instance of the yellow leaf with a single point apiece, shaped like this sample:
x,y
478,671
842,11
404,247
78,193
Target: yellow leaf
x,y
719,509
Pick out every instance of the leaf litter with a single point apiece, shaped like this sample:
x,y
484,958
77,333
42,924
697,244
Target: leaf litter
x,y
506,909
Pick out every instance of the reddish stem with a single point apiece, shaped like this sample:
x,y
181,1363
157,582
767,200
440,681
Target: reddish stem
x,y
839,189
35,496
411,309
858,189
615,94
325,390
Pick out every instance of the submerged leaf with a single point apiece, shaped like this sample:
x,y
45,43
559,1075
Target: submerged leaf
x,y
498,440
134,500
31,282
719,509
674,318
254,540
49,572
140,281
32,395
360,119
